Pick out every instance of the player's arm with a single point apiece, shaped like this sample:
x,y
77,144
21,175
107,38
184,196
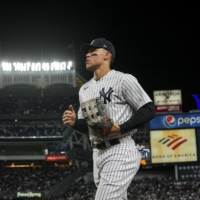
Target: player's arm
x,y
138,99
80,125
69,119
142,116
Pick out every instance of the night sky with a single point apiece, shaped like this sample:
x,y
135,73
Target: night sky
x,y
157,42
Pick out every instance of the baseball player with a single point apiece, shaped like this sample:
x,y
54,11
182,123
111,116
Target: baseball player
x,y
116,157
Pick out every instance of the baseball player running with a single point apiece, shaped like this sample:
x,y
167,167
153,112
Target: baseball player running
x,y
112,105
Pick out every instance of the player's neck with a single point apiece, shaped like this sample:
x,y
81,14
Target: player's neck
x,y
101,72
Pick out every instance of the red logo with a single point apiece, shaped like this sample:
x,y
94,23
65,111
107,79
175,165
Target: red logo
x,y
173,141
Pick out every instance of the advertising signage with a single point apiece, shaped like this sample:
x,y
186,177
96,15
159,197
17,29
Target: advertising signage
x,y
175,121
167,97
29,194
167,100
172,146
171,108
53,158
35,66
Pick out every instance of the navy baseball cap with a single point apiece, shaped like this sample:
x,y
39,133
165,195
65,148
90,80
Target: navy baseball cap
x,y
99,43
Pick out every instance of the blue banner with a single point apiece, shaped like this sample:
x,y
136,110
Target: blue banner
x,y
173,121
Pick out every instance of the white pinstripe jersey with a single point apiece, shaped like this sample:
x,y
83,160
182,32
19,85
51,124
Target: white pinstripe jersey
x,y
122,96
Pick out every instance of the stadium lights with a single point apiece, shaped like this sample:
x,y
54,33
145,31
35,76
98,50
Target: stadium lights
x,y
36,66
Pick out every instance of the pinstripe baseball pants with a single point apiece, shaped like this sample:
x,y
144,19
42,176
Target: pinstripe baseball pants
x,y
114,168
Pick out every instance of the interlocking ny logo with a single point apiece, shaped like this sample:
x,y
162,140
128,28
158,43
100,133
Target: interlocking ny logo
x,y
173,141
106,95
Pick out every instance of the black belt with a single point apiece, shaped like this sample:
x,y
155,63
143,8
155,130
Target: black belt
x,y
105,144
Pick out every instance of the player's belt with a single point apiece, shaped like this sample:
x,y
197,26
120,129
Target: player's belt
x,y
105,144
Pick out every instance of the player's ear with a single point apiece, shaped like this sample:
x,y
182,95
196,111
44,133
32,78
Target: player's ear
x,y
107,55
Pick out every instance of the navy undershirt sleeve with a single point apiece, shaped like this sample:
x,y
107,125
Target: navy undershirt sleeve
x,y
80,125
142,116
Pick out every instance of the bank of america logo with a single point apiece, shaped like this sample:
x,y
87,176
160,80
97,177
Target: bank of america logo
x,y
173,141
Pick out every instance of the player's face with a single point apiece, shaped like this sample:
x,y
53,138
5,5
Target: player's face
x,y
95,58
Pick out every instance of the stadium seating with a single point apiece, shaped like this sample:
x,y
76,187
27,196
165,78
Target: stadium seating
x,y
166,188
36,105
28,129
31,179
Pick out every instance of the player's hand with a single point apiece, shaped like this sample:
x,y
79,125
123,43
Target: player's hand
x,y
115,130
69,116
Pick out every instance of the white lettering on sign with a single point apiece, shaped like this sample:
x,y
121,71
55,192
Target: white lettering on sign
x,y
188,120
36,66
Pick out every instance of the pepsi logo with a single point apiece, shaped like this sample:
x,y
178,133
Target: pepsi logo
x,y
169,121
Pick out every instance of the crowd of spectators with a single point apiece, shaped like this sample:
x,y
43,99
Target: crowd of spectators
x,y
166,188
32,150
51,128
32,179
17,129
78,191
37,105
146,188
57,148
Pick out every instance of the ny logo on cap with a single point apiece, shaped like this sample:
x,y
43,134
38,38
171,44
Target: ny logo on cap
x,y
104,45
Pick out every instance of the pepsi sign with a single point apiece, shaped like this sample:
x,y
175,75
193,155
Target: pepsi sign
x,y
169,121
173,121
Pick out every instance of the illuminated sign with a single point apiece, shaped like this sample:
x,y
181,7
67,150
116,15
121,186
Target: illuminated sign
x,y
56,157
168,108
170,146
36,66
197,100
172,121
29,194
167,100
167,97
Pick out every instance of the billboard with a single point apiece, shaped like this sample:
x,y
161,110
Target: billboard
x,y
29,194
172,146
167,97
171,108
167,100
35,66
53,158
173,121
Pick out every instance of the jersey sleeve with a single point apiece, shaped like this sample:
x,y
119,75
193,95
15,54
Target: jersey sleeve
x,y
133,92
80,114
